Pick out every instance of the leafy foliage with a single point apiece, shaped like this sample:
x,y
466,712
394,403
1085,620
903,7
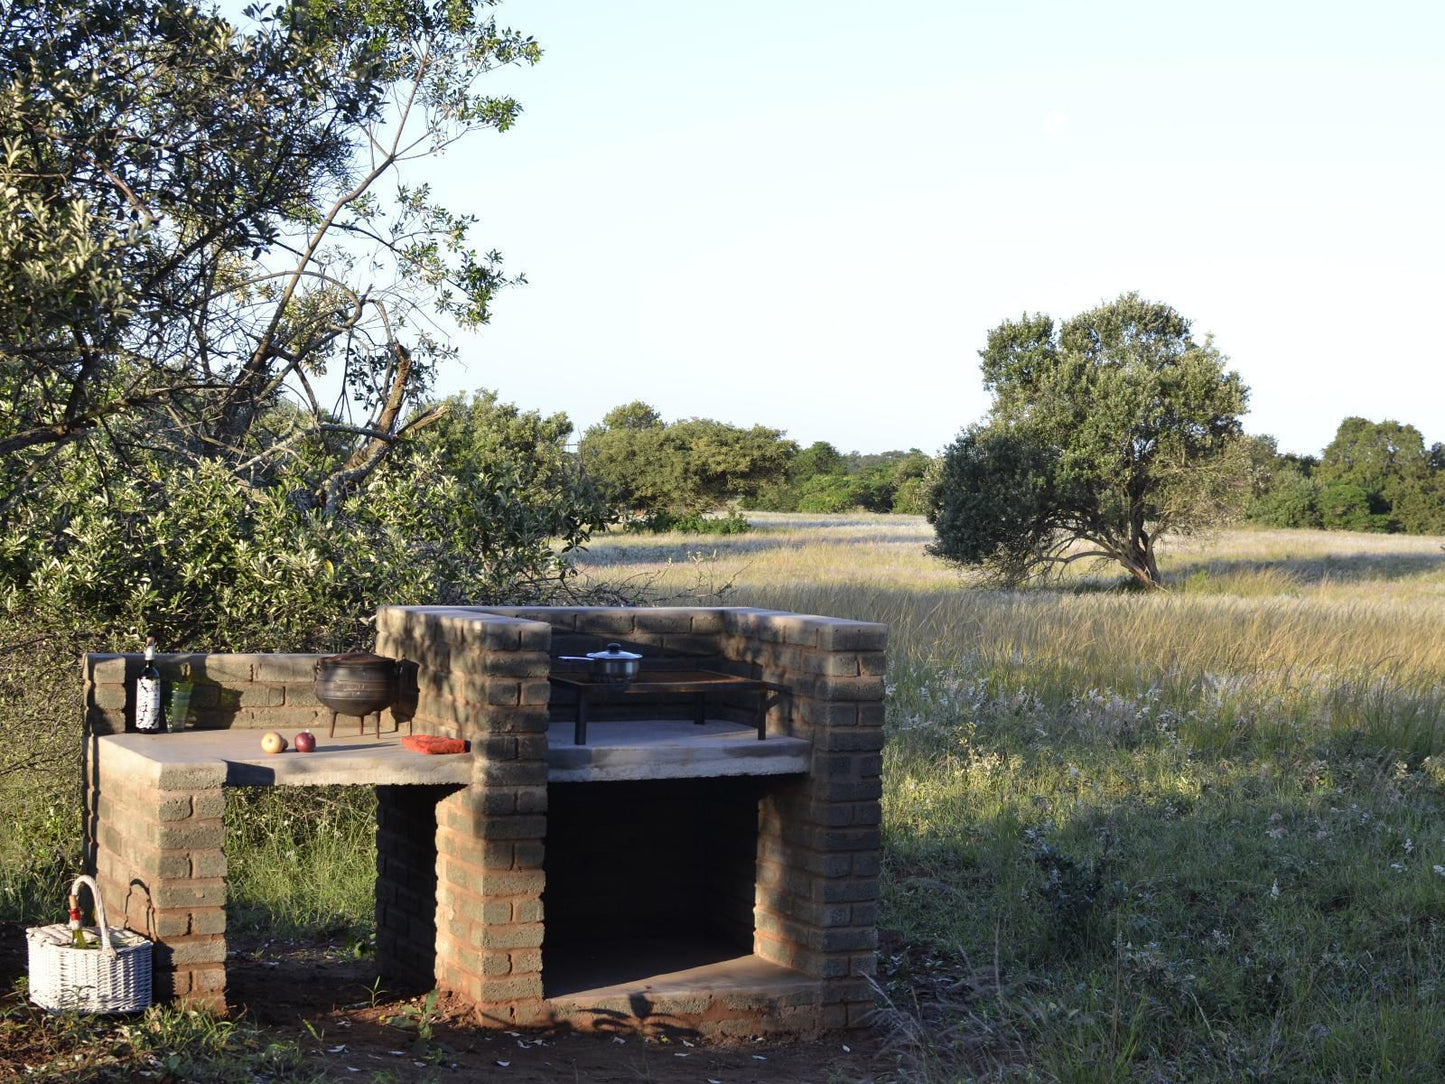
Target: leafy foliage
x,y
1373,476
193,230
199,236
468,514
1105,433
1381,479
734,522
822,479
688,466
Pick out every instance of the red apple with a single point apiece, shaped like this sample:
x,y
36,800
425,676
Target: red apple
x,y
305,742
271,742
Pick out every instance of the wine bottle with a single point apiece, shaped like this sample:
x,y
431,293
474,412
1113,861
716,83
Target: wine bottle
x,y
148,693
77,938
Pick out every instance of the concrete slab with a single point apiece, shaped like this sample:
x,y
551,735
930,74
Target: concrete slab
x,y
669,749
652,749
349,760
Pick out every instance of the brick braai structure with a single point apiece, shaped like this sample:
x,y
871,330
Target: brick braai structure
x,y
535,878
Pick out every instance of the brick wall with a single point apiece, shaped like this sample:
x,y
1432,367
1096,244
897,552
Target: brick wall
x,y
262,692
819,836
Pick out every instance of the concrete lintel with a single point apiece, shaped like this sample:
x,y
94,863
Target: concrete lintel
x,y
669,749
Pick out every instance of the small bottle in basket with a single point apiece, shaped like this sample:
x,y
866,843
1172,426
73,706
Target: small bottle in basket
x,y
148,693
77,936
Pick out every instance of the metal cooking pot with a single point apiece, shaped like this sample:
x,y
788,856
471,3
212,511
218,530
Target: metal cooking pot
x,y
612,665
356,683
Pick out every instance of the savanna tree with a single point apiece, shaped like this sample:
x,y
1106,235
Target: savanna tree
x,y
1106,432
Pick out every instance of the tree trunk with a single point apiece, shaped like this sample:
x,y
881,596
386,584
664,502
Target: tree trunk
x,y
1138,558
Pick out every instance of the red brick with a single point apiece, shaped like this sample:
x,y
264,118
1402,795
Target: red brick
x,y
526,961
502,693
519,935
494,963
825,713
849,688
208,979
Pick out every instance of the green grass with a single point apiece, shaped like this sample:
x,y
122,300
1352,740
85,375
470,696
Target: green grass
x,y
1197,835
301,860
162,1043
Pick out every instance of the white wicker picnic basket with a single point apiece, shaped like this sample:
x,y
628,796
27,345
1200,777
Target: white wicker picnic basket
x,y
113,977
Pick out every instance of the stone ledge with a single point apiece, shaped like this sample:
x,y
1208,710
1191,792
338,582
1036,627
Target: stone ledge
x,y
669,749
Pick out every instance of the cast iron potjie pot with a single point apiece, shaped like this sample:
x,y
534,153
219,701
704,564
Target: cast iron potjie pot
x,y
612,666
356,683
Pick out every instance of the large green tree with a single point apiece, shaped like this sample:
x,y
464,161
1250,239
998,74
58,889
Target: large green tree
x,y
1106,432
199,220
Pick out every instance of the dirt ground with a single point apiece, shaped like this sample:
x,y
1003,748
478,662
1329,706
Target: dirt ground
x,y
326,999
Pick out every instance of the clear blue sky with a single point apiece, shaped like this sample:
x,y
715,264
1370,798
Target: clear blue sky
x,y
808,215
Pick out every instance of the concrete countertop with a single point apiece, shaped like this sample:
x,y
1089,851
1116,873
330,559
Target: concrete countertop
x,y
349,760
615,751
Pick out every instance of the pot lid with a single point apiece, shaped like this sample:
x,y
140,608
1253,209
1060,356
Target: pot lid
x,y
358,658
613,651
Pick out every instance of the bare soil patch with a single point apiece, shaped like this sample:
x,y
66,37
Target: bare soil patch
x,y
327,1000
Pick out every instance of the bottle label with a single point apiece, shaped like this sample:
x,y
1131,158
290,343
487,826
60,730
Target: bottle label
x,y
148,704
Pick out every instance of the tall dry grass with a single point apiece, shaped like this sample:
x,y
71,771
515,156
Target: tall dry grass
x,y
1331,625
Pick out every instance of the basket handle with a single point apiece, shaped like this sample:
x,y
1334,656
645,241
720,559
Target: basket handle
x,y
89,882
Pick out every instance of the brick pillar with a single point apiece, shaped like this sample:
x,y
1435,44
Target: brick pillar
x,y
157,854
154,835
819,836
483,677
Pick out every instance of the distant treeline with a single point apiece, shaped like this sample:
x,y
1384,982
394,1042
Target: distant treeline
x,y
667,474
1374,476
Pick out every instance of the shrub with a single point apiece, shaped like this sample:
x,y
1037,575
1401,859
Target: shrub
x,y
691,523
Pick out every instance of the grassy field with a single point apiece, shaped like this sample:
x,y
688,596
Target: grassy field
x,y
1195,835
